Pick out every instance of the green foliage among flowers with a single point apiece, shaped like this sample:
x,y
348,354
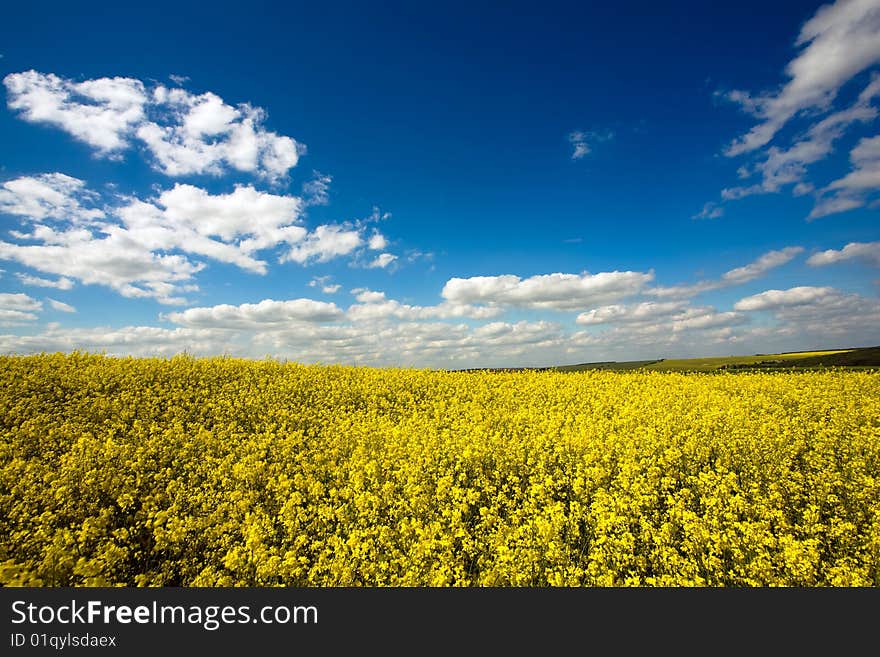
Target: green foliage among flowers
x,y
225,472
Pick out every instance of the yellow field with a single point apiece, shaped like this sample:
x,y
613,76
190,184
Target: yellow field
x,y
230,472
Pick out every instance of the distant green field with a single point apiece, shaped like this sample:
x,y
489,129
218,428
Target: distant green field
x,y
704,364
862,357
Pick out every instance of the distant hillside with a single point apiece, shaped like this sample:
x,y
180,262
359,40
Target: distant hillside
x,y
866,357
607,365
858,357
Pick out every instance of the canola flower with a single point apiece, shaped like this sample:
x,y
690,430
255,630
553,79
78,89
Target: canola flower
x,y
225,472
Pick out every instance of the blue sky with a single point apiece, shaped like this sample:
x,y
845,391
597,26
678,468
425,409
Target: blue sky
x,y
455,186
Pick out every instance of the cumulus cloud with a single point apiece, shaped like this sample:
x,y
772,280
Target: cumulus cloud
x,y
644,311
377,241
837,43
867,251
48,196
549,291
143,248
183,133
124,341
102,113
683,291
824,312
363,295
310,331
202,134
796,296
260,315
381,331
373,305
382,261
18,308
658,318
324,243
323,282
132,251
114,259
420,343
706,318
229,228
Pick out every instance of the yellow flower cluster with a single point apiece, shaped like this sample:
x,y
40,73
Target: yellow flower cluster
x,y
225,472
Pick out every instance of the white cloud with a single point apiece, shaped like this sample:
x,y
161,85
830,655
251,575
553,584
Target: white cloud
x,y
61,306
116,259
789,166
656,319
184,133
142,248
101,113
19,301
229,228
867,251
324,283
125,341
710,210
382,261
683,291
581,147
762,265
368,296
316,190
852,191
838,42
377,241
865,158
834,205
802,188
133,256
60,284
826,314
324,243
706,318
391,333
737,276
554,291
418,343
373,305
48,196
796,296
201,134
644,311
17,308
580,140
260,315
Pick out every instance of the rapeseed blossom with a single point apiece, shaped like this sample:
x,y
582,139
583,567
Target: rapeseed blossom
x,y
225,472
